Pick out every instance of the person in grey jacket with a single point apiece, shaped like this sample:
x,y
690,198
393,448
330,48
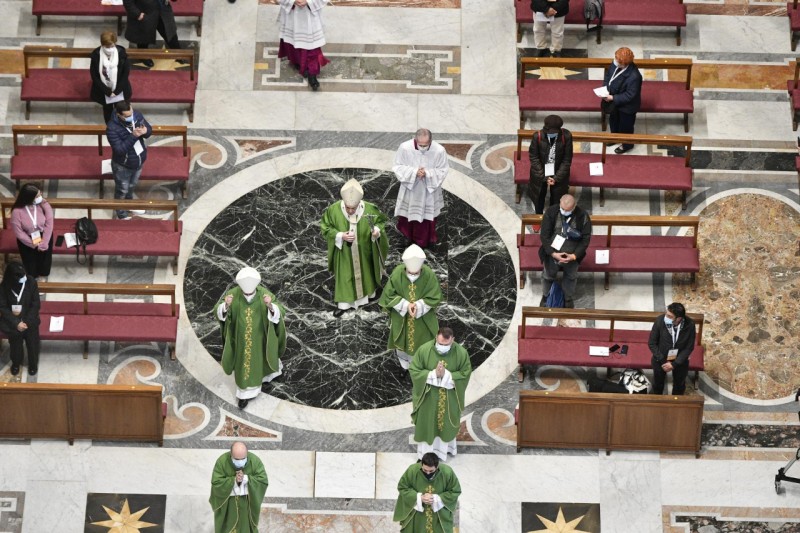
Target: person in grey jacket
x,y
672,341
126,132
550,153
543,10
565,234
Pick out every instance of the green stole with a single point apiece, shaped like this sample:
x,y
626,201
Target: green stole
x,y
408,333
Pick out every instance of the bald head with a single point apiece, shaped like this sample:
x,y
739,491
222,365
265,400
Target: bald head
x,y
567,202
238,451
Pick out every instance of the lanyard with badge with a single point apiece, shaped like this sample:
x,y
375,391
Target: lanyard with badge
x,y
615,76
674,331
17,309
558,240
36,234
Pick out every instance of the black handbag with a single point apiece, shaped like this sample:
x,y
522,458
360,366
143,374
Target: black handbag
x,y
85,233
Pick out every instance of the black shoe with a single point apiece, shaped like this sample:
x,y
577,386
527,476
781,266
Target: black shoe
x,y
569,303
543,52
243,403
377,296
14,370
32,371
338,313
611,143
556,54
313,83
184,61
148,63
622,149
231,1
265,386
543,302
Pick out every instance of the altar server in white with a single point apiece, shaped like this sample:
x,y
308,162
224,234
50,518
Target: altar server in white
x,y
302,37
421,167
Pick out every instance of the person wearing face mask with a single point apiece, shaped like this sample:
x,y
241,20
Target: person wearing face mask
x,y
109,70
672,340
357,248
19,316
253,335
440,373
420,166
565,234
550,153
126,132
624,84
427,497
411,295
238,485
32,222
302,37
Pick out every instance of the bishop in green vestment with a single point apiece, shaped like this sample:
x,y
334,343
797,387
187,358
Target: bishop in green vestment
x,y
410,297
238,485
440,371
254,335
357,248
428,496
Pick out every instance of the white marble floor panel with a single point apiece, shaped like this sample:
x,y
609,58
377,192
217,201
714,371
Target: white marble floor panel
x,y
344,475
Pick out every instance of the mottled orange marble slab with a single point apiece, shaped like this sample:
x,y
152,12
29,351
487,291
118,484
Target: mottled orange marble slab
x,y
454,4
737,9
737,76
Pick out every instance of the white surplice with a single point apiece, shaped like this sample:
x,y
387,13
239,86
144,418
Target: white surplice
x,y
302,26
420,199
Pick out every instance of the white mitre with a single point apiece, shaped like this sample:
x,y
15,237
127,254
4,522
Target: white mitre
x,y
413,258
352,193
248,279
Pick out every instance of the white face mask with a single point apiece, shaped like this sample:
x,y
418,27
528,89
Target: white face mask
x,y
109,51
22,279
412,277
37,200
443,348
239,463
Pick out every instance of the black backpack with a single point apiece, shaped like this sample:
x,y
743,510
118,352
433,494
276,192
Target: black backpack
x,y
85,233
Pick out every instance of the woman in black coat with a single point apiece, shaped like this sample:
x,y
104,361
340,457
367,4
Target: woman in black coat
x,y
109,69
624,83
19,316
145,17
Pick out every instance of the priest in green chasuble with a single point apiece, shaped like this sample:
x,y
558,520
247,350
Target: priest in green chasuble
x,y
440,372
357,248
238,485
411,296
253,333
428,496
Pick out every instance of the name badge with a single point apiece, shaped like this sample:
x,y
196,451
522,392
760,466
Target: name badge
x,y
138,148
672,354
36,237
549,170
16,309
558,242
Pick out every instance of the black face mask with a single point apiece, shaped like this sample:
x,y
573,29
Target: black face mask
x,y
428,476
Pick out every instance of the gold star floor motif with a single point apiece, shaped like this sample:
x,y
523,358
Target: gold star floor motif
x,y
124,521
560,525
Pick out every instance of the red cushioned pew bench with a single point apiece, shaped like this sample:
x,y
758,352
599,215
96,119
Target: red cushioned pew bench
x,y
793,13
576,95
94,8
120,320
137,237
74,84
569,346
71,162
617,13
627,253
793,86
626,171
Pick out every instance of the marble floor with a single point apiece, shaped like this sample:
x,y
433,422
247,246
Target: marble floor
x,y
335,434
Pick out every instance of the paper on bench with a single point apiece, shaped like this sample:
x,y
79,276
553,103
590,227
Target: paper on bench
x,y
601,257
105,166
70,240
56,324
110,2
538,16
602,92
116,98
596,169
600,351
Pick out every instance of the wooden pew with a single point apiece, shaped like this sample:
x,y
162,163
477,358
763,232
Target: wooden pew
x,y
577,95
70,162
626,171
794,22
628,253
99,412
139,237
74,84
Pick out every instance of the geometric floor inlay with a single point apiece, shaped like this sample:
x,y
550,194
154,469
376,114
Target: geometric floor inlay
x,y
125,513
541,517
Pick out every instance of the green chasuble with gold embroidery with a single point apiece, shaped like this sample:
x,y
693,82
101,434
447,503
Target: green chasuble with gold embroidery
x,y
357,267
444,484
437,410
408,333
253,344
237,514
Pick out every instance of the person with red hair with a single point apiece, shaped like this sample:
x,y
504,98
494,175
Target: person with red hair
x,y
624,84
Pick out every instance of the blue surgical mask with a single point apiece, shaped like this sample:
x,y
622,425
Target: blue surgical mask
x,y
565,213
443,348
239,463
667,321
552,136
22,279
129,119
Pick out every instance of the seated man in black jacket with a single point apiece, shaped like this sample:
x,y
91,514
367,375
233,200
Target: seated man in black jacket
x,y
671,343
566,232
550,153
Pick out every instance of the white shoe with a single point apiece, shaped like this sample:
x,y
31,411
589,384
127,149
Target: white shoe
x,y
137,211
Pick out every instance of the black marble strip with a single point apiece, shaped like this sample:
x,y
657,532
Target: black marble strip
x,y
750,435
736,160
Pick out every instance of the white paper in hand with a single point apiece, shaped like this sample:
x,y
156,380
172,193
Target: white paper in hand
x,y
538,16
602,92
601,257
114,99
596,169
56,324
105,166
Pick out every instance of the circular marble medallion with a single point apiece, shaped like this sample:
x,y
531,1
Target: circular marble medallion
x,y
343,363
